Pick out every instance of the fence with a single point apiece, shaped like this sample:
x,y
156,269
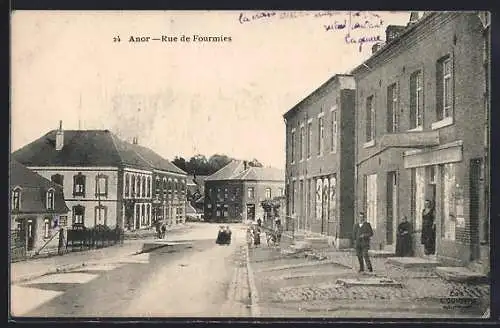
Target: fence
x,y
17,245
98,237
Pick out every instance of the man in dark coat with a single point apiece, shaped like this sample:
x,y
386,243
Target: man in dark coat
x,y
362,232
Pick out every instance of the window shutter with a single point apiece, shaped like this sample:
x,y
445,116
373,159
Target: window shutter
x,y
439,90
397,107
390,108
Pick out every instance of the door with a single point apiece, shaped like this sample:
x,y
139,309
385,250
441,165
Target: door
x,y
392,208
30,233
477,213
251,212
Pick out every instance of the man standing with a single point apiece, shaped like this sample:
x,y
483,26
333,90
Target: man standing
x,y
362,233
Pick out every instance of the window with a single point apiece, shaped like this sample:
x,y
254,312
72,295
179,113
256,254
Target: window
x,y
413,195
444,89
63,220
127,185
370,119
143,181
16,198
78,215
416,100
251,192
334,131
101,215
292,197
292,146
79,185
101,185
302,142
280,192
268,193
225,194
392,108
133,185
165,186
209,205
149,187
50,199
148,215
57,178
309,139
46,228
143,214
320,136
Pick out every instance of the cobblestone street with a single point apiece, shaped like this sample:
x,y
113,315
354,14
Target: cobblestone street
x,y
300,285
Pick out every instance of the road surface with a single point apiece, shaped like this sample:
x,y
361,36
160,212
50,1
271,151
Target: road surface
x,y
195,277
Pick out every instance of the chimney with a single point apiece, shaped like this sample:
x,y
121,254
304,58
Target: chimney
x,y
392,32
60,137
376,47
135,140
245,165
414,16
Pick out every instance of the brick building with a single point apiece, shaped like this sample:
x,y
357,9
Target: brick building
x,y
235,192
422,107
320,146
106,180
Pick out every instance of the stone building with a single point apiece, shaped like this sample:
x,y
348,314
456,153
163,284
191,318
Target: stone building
x,y
320,148
107,180
235,192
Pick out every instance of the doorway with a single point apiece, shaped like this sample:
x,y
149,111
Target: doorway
x,y
392,209
30,233
251,212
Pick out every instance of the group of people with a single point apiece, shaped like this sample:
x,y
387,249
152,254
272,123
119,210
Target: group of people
x,y
362,233
224,236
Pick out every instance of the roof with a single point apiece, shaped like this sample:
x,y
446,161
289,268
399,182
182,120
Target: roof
x,y
346,81
228,171
261,174
34,188
389,45
236,171
90,148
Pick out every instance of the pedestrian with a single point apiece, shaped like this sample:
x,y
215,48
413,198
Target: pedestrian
x,y
256,236
403,240
220,236
259,222
158,229
428,228
163,231
362,232
279,231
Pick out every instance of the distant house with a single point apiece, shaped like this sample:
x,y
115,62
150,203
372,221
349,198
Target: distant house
x,y
235,192
107,180
37,208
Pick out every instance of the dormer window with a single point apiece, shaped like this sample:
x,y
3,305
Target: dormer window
x,y
16,198
50,200
79,185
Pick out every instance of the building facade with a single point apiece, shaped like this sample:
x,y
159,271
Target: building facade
x,y
105,180
320,154
422,133
37,209
235,192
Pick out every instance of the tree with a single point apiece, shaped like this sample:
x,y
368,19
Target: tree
x,y
255,163
198,164
180,162
216,162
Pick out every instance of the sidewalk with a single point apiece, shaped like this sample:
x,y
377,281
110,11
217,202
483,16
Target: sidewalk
x,y
30,269
300,285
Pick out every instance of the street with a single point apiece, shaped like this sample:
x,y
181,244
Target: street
x,y
194,277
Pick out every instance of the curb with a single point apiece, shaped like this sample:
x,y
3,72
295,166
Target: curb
x,y
254,298
62,269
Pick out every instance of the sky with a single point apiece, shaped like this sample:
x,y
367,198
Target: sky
x,y
180,98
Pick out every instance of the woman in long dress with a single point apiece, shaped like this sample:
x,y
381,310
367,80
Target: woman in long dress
x,y
403,241
428,229
256,236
